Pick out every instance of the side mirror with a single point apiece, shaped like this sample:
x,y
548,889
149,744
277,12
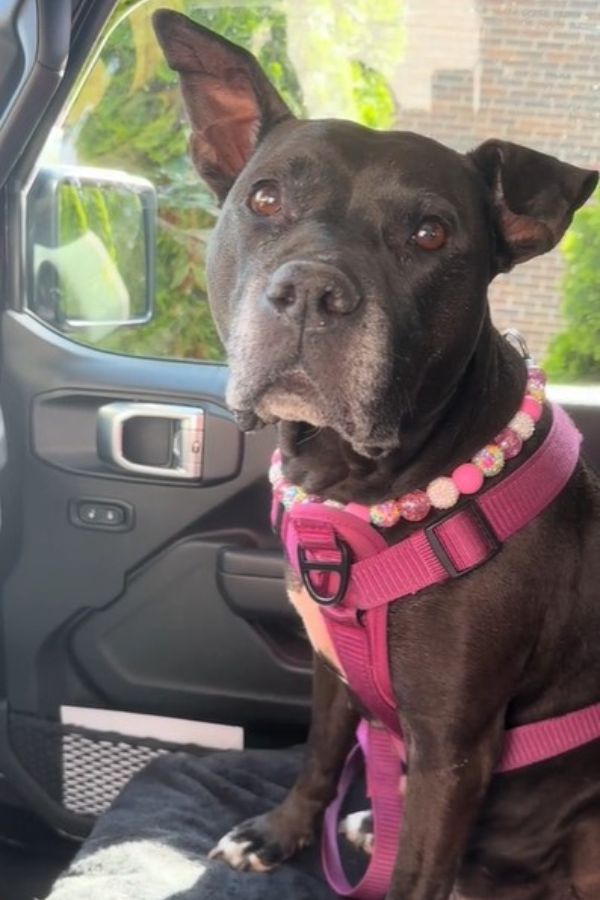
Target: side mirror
x,y
91,248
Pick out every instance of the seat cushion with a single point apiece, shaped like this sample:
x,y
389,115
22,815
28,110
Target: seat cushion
x,y
153,843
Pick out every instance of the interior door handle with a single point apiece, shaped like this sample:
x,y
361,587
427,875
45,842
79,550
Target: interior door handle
x,y
187,437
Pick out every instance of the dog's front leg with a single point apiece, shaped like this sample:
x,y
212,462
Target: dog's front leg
x,y
264,842
448,778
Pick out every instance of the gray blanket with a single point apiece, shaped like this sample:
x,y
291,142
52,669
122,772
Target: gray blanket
x,y
153,842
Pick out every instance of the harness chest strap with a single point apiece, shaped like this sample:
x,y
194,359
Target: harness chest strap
x,y
320,541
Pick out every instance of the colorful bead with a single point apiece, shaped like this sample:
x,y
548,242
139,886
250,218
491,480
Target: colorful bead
x,y
532,407
538,394
385,514
509,442
414,506
292,494
536,377
442,492
490,460
468,478
523,425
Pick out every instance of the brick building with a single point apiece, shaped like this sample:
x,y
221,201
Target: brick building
x,y
528,72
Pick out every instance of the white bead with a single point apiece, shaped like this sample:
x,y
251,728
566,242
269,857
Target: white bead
x,y
275,472
442,493
523,425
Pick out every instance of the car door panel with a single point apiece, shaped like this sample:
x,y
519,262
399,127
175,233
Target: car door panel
x,y
56,387
142,618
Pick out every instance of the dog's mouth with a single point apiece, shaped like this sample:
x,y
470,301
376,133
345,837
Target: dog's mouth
x,y
292,397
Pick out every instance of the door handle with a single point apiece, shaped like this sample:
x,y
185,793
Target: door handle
x,y
187,437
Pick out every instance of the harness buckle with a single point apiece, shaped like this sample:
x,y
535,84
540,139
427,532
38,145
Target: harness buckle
x,y
340,568
485,529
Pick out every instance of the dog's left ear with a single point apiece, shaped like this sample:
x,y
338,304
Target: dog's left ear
x,y
533,196
230,102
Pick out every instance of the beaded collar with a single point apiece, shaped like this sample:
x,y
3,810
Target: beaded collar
x,y
445,491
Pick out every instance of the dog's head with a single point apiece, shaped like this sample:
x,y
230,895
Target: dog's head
x,y
349,268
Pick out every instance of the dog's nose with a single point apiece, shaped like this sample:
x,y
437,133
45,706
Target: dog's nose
x,y
312,294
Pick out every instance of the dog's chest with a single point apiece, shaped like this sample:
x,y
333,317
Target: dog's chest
x,y
315,625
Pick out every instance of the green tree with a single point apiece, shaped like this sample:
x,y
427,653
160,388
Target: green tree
x,y
574,354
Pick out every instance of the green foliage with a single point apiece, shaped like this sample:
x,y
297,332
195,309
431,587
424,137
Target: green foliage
x,y
373,97
128,115
574,354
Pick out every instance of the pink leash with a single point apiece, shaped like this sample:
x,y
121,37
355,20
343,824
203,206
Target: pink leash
x,y
318,541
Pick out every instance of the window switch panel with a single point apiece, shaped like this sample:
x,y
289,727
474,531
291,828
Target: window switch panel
x,y
109,515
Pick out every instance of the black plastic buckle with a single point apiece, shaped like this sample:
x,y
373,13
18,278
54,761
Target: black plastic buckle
x,y
479,517
342,568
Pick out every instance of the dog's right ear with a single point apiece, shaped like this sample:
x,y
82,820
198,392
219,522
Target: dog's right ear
x,y
230,102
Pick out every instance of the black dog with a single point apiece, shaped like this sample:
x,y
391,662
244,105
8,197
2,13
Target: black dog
x,y
348,276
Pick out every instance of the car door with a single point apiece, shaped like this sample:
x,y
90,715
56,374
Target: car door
x,y
139,572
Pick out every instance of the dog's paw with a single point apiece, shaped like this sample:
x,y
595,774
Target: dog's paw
x,y
256,846
358,829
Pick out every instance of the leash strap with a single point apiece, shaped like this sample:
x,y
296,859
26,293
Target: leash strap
x,y
384,768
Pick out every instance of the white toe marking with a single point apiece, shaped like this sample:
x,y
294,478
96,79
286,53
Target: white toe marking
x,y
232,851
352,829
235,853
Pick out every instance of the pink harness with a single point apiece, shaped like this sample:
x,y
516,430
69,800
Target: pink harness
x,y
349,570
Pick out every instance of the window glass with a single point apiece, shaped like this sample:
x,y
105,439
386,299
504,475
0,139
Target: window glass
x,y
456,70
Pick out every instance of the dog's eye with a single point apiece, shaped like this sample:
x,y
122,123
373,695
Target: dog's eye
x,y
430,235
265,199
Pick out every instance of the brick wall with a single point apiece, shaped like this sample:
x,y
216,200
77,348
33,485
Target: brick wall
x,y
526,71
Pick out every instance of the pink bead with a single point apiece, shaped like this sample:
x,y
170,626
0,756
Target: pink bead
x,y
415,506
533,409
509,442
467,478
359,510
442,493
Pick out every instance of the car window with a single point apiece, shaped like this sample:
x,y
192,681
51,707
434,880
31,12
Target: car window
x,y
455,70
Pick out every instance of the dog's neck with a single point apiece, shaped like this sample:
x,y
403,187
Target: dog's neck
x,y
484,401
